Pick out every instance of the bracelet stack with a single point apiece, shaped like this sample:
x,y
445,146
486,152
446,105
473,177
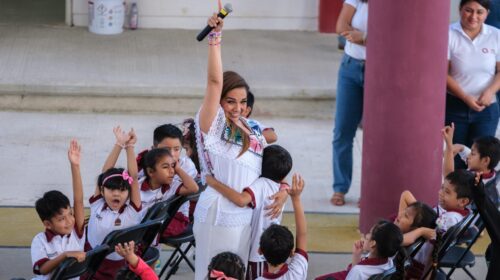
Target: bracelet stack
x,y
214,38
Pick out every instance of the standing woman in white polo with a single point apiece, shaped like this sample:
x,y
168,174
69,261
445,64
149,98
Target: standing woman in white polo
x,y
352,24
473,77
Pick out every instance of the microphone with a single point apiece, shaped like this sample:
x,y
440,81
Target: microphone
x,y
222,14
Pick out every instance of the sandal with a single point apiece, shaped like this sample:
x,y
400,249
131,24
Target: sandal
x,y
338,199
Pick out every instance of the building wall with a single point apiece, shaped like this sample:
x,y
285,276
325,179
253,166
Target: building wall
x,y
192,14
248,14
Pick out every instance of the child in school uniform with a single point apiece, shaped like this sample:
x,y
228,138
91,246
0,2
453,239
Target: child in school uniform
x,y
160,169
454,196
64,235
226,266
483,157
276,243
116,203
382,243
267,131
416,220
170,137
276,164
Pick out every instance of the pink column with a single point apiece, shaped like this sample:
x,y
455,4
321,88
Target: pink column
x,y
404,102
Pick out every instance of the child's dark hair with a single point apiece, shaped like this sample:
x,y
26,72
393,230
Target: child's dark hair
x,y
388,238
189,135
250,102
461,181
113,179
425,216
51,204
276,163
276,244
152,157
488,146
228,263
166,131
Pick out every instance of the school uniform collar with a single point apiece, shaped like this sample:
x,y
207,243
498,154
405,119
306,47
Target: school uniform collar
x,y
145,186
464,212
268,275
373,261
49,234
489,175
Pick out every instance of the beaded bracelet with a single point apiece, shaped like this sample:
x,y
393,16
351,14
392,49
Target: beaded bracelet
x,y
214,38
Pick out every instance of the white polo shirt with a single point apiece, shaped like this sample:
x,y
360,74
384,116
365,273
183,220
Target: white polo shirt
x,y
473,62
48,245
261,190
104,220
368,267
360,22
295,270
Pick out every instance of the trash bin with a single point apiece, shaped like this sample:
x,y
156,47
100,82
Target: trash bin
x,y
106,16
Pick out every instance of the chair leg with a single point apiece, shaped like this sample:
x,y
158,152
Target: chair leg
x,y
448,276
174,253
182,256
470,274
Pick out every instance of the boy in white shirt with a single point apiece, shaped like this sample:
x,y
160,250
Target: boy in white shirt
x,y
64,230
276,243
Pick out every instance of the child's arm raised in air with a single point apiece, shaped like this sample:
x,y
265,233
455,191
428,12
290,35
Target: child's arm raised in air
x,y
240,199
74,157
121,140
448,162
406,199
135,195
189,185
412,236
300,218
213,91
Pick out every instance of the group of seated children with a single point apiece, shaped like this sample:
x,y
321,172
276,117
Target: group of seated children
x,y
417,220
120,201
122,197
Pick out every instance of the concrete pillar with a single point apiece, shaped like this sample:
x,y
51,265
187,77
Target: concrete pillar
x,y
405,83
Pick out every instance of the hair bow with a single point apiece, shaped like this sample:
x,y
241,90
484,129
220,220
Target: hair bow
x,y
219,275
127,177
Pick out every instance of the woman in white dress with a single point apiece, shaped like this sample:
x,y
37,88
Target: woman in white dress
x,y
230,151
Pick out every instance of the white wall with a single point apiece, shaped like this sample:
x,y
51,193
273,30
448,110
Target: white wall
x,y
192,14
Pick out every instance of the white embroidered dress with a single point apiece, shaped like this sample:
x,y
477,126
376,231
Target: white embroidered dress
x,y
220,225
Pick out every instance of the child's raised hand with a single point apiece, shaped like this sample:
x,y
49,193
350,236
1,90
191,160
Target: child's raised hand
x,y
132,138
74,152
297,185
78,255
357,247
125,249
121,136
447,133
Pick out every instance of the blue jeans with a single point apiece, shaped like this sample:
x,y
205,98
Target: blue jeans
x,y
349,110
470,124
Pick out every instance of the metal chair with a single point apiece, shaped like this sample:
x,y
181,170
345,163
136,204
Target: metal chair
x,y
71,268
